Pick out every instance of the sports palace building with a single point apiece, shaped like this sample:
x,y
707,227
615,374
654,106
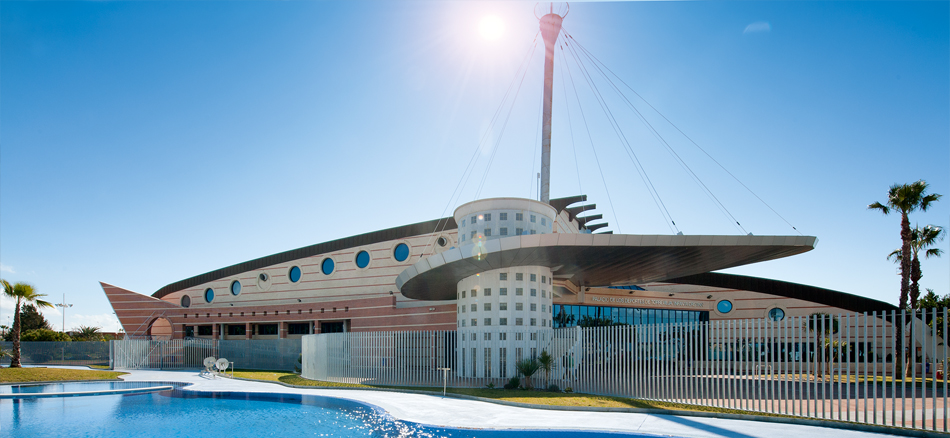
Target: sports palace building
x,y
498,262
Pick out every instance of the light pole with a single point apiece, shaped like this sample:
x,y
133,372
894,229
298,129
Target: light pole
x,y
64,306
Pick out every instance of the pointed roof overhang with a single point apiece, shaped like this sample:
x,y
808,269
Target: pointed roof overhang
x,y
596,259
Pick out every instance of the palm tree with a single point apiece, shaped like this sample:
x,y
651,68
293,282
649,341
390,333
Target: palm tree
x,y
527,368
921,239
23,293
906,199
88,334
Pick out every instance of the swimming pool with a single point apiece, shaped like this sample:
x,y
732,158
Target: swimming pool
x,y
225,414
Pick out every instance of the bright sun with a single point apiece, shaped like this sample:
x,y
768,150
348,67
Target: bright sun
x,y
491,27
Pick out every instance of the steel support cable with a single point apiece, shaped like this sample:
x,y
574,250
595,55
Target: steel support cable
x,y
591,138
501,134
440,225
684,134
722,208
536,147
486,136
623,140
570,126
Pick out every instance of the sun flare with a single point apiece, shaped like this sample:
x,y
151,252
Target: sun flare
x,y
491,27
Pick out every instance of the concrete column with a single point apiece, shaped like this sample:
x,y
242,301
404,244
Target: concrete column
x,y
248,330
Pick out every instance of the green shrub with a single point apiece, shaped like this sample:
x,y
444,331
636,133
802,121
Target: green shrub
x,y
513,383
44,335
553,388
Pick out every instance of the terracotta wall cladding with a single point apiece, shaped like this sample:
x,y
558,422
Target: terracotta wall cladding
x,y
367,297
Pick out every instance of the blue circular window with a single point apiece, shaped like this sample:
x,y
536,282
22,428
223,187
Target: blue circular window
x,y
327,266
294,274
776,314
401,253
235,287
362,259
209,294
724,306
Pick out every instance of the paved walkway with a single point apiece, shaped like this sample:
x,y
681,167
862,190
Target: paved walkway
x,y
458,413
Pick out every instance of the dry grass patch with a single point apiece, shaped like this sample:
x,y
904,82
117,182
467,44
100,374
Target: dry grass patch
x,y
15,375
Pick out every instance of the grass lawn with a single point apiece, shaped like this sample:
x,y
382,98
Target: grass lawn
x,y
518,396
14,375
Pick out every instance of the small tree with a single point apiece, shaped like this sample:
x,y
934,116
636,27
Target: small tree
x,y
527,368
22,293
545,363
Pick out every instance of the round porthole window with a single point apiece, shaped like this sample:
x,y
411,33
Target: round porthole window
x,y
327,266
263,276
724,306
442,242
776,314
362,259
209,294
294,274
401,253
235,287
186,301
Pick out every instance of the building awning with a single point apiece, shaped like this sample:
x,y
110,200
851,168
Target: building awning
x,y
595,260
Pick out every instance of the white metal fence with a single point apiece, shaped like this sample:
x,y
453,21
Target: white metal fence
x,y
877,368
268,354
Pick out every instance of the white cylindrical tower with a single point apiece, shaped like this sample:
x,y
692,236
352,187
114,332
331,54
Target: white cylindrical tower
x,y
503,315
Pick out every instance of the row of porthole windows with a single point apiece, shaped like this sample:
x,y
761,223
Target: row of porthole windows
x,y
400,253
774,314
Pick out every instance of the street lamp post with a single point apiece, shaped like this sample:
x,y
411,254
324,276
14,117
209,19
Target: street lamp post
x,y
64,306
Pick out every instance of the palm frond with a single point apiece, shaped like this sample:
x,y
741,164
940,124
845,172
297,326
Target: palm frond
x,y
878,206
896,255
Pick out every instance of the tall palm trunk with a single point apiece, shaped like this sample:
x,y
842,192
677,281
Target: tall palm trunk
x,y
915,275
15,361
906,237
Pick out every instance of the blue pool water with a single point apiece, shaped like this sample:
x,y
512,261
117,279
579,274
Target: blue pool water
x,y
178,413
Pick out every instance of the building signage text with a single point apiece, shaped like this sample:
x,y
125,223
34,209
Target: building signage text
x,y
647,301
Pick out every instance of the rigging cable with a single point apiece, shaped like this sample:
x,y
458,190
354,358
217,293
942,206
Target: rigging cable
x,y
722,208
570,127
536,146
501,134
591,55
440,225
591,138
623,140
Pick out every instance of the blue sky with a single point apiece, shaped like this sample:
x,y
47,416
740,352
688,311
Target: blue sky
x,y
145,142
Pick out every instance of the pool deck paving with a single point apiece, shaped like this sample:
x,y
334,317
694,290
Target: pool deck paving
x,y
474,414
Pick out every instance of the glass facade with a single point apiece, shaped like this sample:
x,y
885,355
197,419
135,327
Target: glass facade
x,y
597,316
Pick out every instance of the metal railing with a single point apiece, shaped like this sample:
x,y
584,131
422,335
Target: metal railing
x,y
59,353
877,368
177,354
